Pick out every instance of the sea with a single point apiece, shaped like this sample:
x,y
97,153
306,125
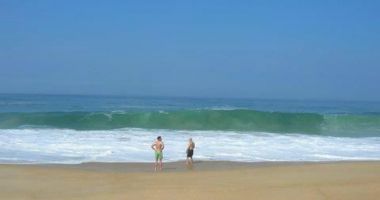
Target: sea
x,y
72,129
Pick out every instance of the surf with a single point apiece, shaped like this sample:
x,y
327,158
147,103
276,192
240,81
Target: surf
x,y
133,145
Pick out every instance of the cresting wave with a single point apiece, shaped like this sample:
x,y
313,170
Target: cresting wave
x,y
225,120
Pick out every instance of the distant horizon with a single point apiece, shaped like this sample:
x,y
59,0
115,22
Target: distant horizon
x,y
190,97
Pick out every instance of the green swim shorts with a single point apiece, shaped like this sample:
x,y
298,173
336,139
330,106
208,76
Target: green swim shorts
x,y
158,155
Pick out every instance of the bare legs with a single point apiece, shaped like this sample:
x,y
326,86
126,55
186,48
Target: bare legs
x,y
161,164
158,165
189,162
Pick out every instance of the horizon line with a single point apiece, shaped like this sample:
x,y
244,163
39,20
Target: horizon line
x,y
188,97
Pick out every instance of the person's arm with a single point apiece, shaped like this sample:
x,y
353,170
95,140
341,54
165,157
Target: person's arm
x,y
163,146
153,145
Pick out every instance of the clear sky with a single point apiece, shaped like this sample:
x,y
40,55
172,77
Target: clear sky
x,y
321,49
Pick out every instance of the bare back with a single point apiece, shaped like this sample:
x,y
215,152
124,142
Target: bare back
x,y
158,146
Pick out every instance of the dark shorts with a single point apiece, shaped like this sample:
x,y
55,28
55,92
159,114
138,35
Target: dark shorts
x,y
190,153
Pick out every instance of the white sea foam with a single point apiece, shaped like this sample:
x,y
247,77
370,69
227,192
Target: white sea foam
x,y
35,145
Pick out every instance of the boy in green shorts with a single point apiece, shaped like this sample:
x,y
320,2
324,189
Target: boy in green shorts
x,y
158,146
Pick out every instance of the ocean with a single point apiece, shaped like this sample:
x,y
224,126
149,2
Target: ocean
x,y
74,129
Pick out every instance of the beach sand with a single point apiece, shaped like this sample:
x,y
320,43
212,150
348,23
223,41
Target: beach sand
x,y
208,180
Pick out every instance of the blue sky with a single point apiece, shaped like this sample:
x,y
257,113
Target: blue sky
x,y
251,49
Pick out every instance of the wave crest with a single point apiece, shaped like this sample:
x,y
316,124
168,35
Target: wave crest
x,y
237,120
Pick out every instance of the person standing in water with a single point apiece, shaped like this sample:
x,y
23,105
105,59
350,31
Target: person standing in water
x,y
158,146
190,152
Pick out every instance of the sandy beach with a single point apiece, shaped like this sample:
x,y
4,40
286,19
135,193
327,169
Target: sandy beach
x,y
208,180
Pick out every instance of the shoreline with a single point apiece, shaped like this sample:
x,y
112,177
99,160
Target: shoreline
x,y
178,166
175,166
208,180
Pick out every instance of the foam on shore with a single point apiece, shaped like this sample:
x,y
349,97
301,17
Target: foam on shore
x,y
133,145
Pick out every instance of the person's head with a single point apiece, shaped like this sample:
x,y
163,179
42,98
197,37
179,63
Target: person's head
x,y
159,138
190,139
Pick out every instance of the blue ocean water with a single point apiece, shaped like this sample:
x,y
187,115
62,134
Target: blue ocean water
x,y
71,103
75,129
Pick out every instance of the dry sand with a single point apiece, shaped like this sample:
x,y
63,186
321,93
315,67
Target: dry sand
x,y
208,180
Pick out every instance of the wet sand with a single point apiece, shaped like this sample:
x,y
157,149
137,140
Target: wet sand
x,y
208,180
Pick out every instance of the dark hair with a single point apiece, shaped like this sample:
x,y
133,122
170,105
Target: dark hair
x,y
159,138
